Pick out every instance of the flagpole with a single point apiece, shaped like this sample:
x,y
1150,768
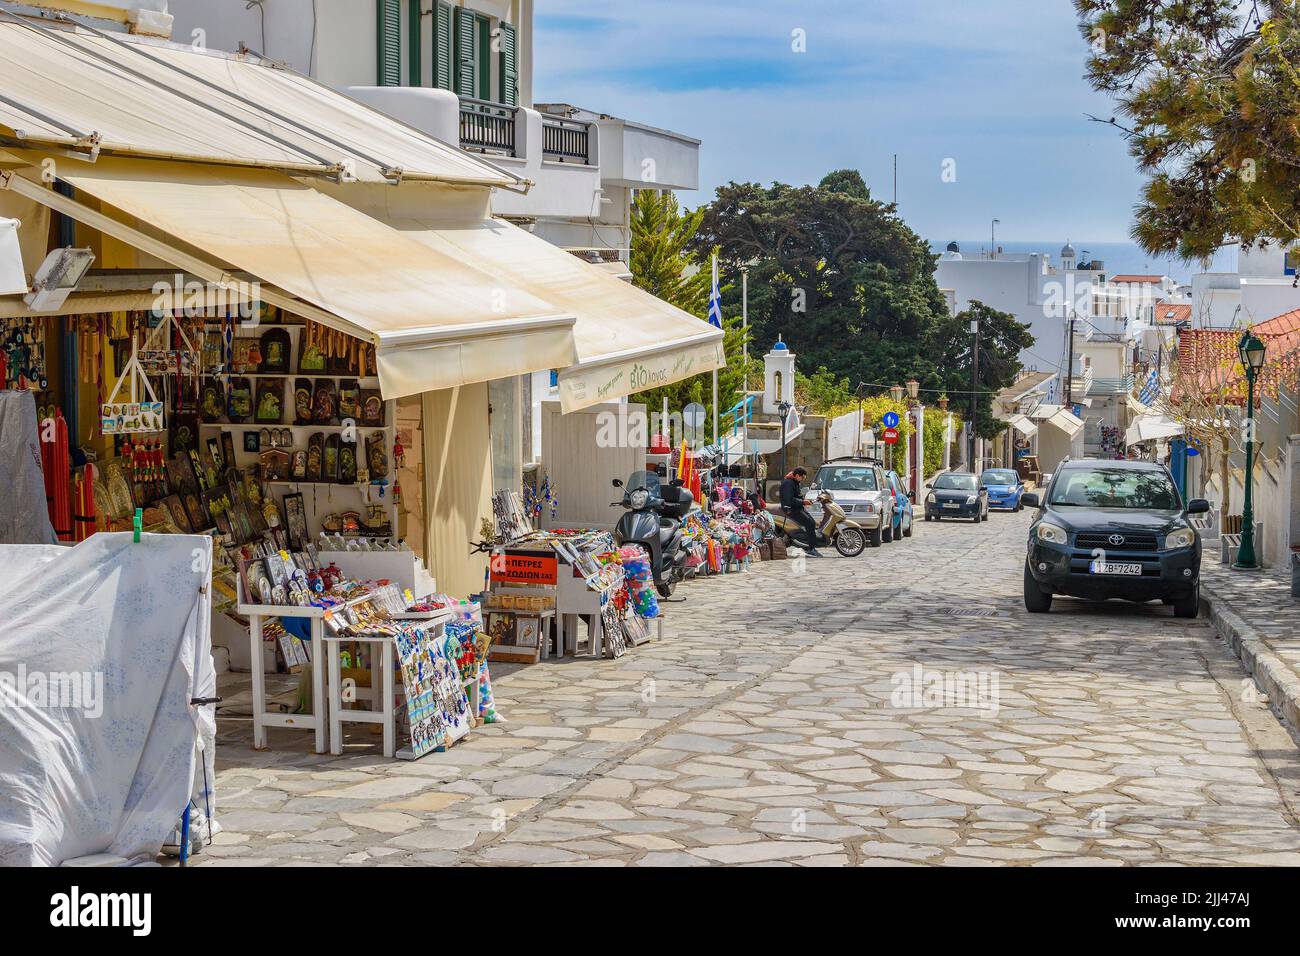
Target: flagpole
x,y
715,371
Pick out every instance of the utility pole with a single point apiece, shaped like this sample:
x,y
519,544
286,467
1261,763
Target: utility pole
x,y
974,391
895,180
1069,365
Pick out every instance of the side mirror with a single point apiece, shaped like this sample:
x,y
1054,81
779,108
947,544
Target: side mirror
x,y
1198,506
929,484
1031,499
911,496
617,482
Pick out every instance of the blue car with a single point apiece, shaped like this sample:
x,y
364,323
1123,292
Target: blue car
x,y
1004,487
901,526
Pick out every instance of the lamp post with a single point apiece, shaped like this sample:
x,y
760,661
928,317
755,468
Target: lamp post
x,y
783,409
857,445
896,393
1251,350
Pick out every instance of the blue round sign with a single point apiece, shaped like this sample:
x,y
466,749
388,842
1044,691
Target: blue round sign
x,y
890,420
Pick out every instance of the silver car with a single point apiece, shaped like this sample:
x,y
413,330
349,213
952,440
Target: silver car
x,y
858,485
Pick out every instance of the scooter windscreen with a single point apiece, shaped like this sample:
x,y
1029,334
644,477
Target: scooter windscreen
x,y
641,489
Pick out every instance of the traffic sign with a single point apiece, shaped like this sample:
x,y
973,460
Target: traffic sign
x,y
891,436
891,421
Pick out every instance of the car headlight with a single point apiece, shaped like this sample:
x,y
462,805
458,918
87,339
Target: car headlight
x,y
1182,538
1052,533
638,498
869,508
971,499
929,499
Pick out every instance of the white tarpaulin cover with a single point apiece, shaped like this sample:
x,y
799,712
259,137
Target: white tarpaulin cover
x,y
102,649
24,517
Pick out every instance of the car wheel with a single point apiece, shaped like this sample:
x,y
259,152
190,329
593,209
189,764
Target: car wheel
x,y
908,532
888,534
875,537
850,542
1189,605
1037,601
927,517
1020,505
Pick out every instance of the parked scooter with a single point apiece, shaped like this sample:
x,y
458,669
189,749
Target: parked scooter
x,y
838,530
654,521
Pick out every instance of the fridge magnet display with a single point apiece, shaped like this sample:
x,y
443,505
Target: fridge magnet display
x,y
128,418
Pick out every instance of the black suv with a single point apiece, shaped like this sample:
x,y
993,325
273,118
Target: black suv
x,y
1113,529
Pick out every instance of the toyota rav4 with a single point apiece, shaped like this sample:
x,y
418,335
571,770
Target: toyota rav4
x,y
1113,529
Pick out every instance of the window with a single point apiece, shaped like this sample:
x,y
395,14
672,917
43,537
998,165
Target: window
x,y
1114,488
776,380
998,476
851,478
462,51
952,482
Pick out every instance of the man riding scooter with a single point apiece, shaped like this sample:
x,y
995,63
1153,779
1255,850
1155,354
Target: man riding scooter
x,y
795,506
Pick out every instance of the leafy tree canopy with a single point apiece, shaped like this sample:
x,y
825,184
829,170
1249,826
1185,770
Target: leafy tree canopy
x,y
850,287
1208,92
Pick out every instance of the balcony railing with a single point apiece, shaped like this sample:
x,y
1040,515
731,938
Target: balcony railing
x,y
487,127
566,141
1111,386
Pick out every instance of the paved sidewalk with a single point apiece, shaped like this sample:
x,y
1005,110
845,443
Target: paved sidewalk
x,y
1255,614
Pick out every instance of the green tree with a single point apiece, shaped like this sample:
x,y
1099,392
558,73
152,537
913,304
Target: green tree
x,y
1000,342
1208,92
836,273
665,263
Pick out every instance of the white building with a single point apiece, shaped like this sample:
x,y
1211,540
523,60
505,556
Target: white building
x,y
463,73
1107,316
1263,286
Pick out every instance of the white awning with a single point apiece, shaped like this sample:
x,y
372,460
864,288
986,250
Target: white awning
x,y
435,320
1066,422
1023,425
627,340
1149,427
99,93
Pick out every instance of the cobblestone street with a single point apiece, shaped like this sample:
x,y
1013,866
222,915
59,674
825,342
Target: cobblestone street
x,y
804,719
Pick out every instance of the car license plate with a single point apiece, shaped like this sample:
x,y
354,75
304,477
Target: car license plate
x,y
1114,567
952,504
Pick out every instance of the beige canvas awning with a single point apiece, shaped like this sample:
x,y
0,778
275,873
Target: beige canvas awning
x,y
436,321
627,340
1023,425
1066,422
99,93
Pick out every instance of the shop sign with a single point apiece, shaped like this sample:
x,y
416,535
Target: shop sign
x,y
524,567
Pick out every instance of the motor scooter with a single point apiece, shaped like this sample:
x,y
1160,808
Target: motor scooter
x,y
838,530
654,521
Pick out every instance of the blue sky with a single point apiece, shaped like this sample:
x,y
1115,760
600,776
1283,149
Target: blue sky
x,y
994,85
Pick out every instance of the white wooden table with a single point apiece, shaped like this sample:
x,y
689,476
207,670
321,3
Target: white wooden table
x,y
315,719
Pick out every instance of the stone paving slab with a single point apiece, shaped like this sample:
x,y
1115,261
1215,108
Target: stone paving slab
x,y
1255,614
855,714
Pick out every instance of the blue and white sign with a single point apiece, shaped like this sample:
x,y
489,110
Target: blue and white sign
x,y
890,420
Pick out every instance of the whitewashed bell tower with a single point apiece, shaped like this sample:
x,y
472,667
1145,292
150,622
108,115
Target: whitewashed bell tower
x,y
778,381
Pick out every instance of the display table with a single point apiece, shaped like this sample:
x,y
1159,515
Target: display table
x,y
315,719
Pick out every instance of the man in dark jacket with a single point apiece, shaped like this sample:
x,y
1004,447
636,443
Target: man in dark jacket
x,y
795,507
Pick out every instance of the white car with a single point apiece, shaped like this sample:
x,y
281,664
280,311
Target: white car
x,y
858,485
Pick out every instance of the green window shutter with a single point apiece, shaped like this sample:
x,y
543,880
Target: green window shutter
x,y
509,65
443,46
415,68
466,62
484,58
389,51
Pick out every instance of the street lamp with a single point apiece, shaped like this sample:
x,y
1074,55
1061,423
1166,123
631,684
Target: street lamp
x,y
1251,350
783,409
896,392
913,388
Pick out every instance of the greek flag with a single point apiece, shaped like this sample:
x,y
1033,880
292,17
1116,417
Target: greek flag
x,y
1151,390
715,299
